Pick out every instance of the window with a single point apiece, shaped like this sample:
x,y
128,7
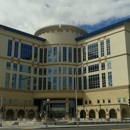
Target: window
x,y
44,71
64,83
102,48
103,66
25,68
16,102
85,82
59,70
35,54
49,83
124,99
84,53
90,102
75,55
16,49
15,67
49,70
41,56
93,51
70,83
9,51
8,65
10,101
49,54
109,101
59,54
80,83
84,70
64,54
70,70
40,71
55,70
64,70
79,55
34,83
85,102
70,54
109,79
79,71
54,83
94,81
109,65
14,79
26,52
7,80
98,101
45,55
44,83
59,83
118,99
108,46
35,70
55,54
103,80
103,101
93,68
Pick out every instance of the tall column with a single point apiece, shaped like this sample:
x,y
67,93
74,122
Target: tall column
x,y
97,114
67,108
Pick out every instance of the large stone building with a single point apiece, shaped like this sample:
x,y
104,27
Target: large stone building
x,y
39,69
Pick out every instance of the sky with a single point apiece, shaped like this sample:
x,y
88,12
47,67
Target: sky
x,y
31,15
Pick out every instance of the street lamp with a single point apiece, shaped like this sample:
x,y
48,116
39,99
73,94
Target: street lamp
x,y
76,91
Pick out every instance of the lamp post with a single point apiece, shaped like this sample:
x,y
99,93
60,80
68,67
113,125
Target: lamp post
x,y
76,92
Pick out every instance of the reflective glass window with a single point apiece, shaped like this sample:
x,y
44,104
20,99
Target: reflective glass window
x,y
14,79
109,79
79,71
34,83
44,83
35,54
80,83
75,55
93,51
35,70
49,70
70,54
84,53
8,65
79,55
84,70
7,80
16,49
26,52
25,68
40,84
108,46
59,54
59,70
9,51
59,83
54,83
49,54
93,68
103,66
103,80
64,54
45,55
64,70
40,71
124,99
55,70
102,48
24,82
70,83
109,65
41,56
55,54
15,67
44,71
49,83
94,81
85,82
70,70
64,83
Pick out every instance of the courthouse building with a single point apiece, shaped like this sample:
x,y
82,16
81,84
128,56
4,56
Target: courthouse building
x,y
39,69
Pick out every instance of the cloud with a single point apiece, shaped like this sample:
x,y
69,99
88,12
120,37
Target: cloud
x,y
30,15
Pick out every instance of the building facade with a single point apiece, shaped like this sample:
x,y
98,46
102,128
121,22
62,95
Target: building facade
x,y
38,71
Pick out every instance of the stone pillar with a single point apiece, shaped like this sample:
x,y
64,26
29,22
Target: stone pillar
x,y
118,115
67,108
97,114
15,114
